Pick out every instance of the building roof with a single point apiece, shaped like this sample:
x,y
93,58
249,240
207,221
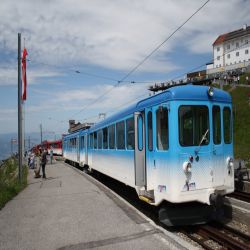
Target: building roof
x,y
232,35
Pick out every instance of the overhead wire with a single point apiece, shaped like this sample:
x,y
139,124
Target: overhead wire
x,y
161,44
195,68
77,71
141,62
176,77
114,109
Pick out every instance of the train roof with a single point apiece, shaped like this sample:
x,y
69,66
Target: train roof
x,y
71,135
183,92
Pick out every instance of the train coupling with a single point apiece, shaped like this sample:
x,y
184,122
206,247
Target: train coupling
x,y
216,200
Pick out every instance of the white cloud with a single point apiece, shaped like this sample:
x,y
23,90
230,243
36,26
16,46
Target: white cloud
x,y
118,34
108,34
8,75
72,101
7,111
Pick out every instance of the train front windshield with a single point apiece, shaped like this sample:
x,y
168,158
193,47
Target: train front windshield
x,y
193,125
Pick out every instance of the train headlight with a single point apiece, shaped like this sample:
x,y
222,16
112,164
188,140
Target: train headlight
x,y
230,165
210,91
187,167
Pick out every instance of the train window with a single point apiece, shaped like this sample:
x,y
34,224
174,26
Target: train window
x,y
95,140
227,125
120,135
193,125
105,138
216,125
150,131
99,134
82,142
140,132
130,133
162,128
111,130
91,141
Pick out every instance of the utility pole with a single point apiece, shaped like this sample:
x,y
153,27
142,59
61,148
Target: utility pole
x,y
41,132
11,146
20,129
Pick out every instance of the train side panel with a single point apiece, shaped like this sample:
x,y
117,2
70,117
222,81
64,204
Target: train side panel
x,y
118,164
71,147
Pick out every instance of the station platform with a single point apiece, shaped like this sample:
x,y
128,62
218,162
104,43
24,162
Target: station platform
x,y
70,210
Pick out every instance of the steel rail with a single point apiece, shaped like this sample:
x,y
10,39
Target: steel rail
x,y
240,196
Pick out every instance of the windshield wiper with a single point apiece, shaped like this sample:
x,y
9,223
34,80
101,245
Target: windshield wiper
x,y
202,139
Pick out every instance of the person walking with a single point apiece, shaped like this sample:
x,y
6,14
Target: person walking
x,y
43,162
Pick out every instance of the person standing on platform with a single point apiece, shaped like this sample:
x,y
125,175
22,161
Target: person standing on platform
x,y
37,164
43,162
32,161
51,155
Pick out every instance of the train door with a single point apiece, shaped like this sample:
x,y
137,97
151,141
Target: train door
x,y
217,144
78,148
86,148
228,145
90,149
150,161
82,150
195,132
157,146
140,165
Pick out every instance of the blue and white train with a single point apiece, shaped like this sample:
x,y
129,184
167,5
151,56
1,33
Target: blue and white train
x,y
175,148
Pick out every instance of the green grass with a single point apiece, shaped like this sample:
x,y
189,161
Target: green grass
x,y
243,78
9,182
241,111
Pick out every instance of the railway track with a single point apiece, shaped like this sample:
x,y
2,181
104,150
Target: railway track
x,y
240,196
223,236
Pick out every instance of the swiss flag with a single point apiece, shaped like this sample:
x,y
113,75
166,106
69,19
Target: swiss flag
x,y
24,78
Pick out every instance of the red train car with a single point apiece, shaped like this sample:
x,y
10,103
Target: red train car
x,y
56,146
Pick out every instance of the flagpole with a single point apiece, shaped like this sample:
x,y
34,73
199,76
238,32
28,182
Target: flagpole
x,y
20,130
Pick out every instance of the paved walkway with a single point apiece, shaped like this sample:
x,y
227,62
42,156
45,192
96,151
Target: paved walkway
x,y
70,210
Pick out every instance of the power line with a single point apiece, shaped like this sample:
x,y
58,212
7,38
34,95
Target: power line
x,y
78,71
115,108
140,96
195,68
140,63
161,44
74,70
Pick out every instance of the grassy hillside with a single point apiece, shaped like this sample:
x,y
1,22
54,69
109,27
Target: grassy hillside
x,y
9,183
241,110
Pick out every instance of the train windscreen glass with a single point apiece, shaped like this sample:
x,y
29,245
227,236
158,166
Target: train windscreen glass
x,y
193,125
227,125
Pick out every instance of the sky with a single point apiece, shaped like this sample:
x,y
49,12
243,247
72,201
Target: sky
x,y
79,50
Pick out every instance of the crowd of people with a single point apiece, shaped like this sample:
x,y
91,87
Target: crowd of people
x,y
38,160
